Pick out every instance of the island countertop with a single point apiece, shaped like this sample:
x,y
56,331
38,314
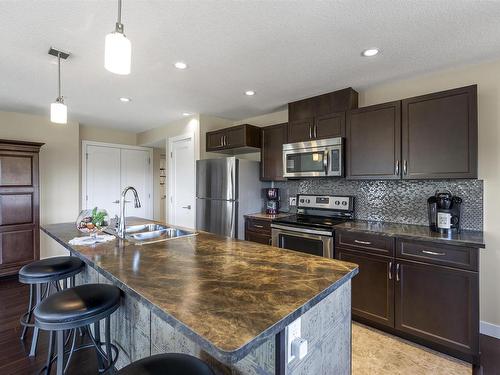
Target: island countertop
x,y
228,295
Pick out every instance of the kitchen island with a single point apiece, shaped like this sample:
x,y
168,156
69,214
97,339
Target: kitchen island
x,y
223,300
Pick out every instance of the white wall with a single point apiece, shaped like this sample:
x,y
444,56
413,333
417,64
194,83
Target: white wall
x,y
59,168
100,134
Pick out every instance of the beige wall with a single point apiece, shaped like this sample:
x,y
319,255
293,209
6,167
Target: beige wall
x,y
272,118
98,134
59,168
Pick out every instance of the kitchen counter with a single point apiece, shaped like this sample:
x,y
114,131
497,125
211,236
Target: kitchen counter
x,y
227,296
414,232
267,217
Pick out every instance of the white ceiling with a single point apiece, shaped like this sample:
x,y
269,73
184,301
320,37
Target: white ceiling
x,y
284,50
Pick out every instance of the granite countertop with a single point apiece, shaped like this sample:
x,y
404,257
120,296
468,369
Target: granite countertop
x,y
227,295
264,216
415,232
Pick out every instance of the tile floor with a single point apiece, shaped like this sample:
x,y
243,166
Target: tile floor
x,y
375,352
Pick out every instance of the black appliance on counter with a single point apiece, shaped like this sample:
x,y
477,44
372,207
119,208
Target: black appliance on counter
x,y
311,229
273,201
444,212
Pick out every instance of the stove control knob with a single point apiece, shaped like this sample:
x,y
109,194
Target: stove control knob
x,y
344,203
337,203
308,201
301,200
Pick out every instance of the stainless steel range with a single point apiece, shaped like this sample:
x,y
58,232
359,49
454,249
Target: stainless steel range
x,y
311,229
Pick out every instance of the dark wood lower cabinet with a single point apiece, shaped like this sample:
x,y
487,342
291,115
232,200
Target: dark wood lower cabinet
x,y
425,292
258,231
439,304
373,287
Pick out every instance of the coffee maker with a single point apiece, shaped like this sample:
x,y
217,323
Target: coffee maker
x,y
444,212
273,201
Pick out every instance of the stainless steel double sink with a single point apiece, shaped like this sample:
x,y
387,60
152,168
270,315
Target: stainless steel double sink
x,y
143,234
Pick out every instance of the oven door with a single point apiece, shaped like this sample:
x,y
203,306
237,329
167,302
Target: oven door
x,y
310,241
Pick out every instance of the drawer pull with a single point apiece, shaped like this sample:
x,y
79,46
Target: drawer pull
x,y
433,253
363,242
258,226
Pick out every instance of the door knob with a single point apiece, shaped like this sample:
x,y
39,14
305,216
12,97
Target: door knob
x,y
188,207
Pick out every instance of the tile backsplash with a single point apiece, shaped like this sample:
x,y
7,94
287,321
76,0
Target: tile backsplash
x,y
393,201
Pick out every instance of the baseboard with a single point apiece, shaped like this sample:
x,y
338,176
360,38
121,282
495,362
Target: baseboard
x,y
489,329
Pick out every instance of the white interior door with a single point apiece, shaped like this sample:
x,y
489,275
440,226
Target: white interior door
x,y
102,178
135,171
182,181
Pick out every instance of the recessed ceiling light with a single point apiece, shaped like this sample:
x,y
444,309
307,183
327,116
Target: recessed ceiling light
x,y
370,52
125,100
180,65
249,93
185,114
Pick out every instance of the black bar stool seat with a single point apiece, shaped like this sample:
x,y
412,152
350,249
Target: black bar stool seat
x,y
76,307
75,310
167,364
43,276
50,269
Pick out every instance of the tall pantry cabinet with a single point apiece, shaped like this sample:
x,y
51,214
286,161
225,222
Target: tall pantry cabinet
x,y
19,205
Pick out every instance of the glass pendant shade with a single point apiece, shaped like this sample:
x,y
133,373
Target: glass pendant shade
x,y
117,53
58,112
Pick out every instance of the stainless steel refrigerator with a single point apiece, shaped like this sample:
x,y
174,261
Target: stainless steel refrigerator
x,y
226,190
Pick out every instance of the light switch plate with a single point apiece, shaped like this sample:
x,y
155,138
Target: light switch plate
x,y
292,332
292,201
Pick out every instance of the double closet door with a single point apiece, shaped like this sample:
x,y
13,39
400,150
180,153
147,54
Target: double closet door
x,y
108,169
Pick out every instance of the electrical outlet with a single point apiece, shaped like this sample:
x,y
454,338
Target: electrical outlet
x,y
292,333
292,201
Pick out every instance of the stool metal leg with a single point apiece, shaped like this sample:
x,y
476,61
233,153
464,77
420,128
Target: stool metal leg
x,y
107,337
97,338
30,313
34,341
49,355
60,353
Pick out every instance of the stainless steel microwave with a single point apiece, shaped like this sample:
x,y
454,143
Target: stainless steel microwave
x,y
321,158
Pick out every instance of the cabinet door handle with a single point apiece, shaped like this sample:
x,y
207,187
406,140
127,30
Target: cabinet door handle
x,y
433,253
397,272
221,143
310,131
390,270
315,131
405,167
363,242
225,140
396,169
258,226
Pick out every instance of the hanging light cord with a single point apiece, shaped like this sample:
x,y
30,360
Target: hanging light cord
x,y
119,11
59,74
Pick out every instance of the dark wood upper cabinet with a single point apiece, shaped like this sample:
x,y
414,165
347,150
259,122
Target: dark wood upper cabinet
x,y
439,135
321,116
329,126
238,139
300,130
373,287
438,304
19,205
271,154
373,145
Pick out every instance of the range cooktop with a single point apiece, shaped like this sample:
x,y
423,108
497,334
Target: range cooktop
x,y
311,221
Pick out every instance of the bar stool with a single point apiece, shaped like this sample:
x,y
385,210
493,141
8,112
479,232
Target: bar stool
x,y
167,364
76,309
45,273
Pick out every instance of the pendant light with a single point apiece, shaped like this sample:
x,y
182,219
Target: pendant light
x,y
58,110
117,48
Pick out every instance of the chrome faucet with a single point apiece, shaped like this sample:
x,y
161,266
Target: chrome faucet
x,y
137,204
